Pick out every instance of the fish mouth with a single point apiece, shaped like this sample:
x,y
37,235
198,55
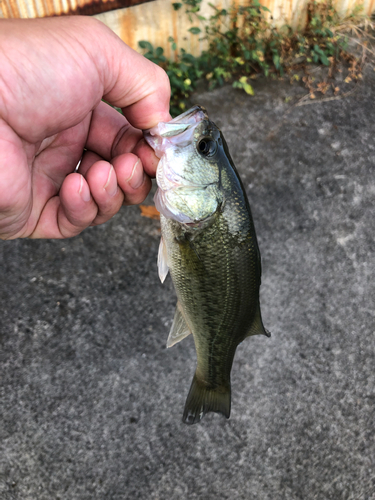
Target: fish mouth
x,y
179,130
164,139
196,113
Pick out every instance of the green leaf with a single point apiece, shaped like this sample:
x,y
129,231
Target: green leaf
x,y
195,30
324,59
177,6
248,89
146,45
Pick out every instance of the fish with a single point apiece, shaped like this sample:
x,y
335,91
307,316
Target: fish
x,y
209,247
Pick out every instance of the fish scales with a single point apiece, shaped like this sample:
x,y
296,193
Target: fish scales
x,y
219,280
210,248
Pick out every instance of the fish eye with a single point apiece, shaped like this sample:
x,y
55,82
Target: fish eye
x,y
207,147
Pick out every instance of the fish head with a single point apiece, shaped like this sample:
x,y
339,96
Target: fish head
x,y
188,174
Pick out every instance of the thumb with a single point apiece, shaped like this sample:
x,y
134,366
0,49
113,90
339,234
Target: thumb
x,y
132,82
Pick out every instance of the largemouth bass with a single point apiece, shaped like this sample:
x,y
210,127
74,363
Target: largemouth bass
x,y
210,248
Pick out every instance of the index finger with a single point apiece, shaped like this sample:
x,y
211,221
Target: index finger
x,y
110,135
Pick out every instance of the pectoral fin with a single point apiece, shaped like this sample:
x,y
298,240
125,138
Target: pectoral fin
x,y
257,327
179,329
162,261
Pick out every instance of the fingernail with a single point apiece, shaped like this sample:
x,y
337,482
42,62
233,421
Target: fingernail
x,y
111,185
84,190
137,177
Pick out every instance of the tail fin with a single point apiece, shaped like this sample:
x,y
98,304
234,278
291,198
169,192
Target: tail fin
x,y
201,400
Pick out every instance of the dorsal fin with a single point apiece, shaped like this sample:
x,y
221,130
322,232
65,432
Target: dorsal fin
x,y
179,329
257,327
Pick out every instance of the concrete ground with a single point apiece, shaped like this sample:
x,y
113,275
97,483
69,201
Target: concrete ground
x,y
91,399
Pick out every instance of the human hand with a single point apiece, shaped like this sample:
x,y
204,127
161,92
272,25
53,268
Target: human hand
x,y
54,73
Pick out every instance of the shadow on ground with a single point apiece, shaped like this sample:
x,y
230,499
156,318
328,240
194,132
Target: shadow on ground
x,y
91,400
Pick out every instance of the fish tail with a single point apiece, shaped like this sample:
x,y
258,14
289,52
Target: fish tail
x,y
202,399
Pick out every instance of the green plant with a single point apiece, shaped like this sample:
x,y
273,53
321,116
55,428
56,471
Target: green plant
x,y
239,41
318,42
183,73
242,44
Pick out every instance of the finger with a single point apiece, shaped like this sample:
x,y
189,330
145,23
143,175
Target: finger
x,y
129,176
132,179
144,99
88,159
150,102
102,181
139,148
125,78
148,157
111,135
108,128
69,213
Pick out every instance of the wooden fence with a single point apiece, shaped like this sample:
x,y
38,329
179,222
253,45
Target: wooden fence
x,y
156,21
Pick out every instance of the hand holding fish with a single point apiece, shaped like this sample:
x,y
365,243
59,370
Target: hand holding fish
x,y
54,74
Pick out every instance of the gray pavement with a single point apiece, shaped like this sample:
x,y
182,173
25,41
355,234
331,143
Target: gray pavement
x,y
91,399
